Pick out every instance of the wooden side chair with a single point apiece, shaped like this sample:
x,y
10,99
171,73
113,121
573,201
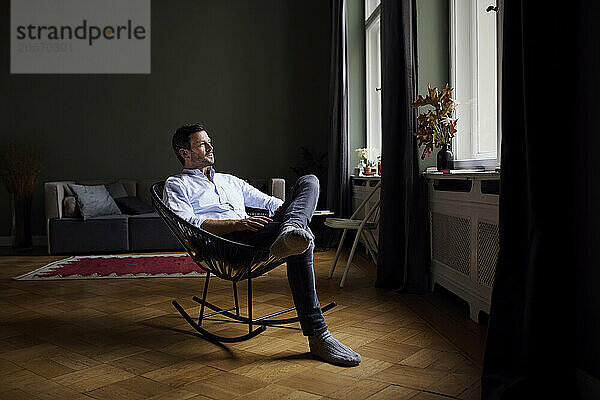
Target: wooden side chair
x,y
227,260
364,229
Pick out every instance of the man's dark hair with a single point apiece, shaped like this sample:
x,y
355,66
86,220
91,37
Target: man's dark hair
x,y
181,138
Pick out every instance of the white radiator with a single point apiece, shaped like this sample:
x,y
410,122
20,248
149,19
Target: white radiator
x,y
463,212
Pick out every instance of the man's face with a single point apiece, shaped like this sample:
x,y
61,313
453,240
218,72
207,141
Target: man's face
x,y
200,154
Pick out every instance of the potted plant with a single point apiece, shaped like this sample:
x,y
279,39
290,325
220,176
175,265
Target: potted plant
x,y
19,167
437,127
365,164
370,168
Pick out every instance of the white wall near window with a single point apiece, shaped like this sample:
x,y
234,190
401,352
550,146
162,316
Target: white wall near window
x,y
474,76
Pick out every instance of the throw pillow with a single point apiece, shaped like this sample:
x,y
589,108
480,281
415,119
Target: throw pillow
x,y
116,190
70,209
94,201
133,205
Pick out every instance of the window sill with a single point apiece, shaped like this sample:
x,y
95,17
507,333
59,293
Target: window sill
x,y
361,176
433,173
487,164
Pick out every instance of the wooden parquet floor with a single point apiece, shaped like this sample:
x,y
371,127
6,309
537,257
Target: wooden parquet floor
x,y
122,339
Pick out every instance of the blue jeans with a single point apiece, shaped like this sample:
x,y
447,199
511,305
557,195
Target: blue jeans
x,y
297,210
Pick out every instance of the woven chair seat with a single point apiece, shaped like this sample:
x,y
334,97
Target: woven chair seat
x,y
221,257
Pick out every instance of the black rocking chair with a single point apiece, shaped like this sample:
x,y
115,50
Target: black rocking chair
x,y
225,259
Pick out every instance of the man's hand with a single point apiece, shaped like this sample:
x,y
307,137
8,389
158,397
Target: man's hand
x,y
252,223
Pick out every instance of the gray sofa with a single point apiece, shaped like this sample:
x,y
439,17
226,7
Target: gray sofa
x,y
115,233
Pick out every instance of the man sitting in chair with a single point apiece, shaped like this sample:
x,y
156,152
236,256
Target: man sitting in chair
x,y
216,202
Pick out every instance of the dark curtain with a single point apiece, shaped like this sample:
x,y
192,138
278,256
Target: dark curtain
x,y
403,258
338,176
543,333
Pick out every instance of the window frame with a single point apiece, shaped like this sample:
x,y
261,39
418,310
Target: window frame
x,y
479,163
372,89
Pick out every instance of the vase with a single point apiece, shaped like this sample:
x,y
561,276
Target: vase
x,y
21,220
445,158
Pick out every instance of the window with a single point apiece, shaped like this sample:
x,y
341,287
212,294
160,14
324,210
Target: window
x,y
373,78
474,76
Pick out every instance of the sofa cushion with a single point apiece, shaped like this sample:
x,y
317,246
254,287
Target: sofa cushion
x,y
132,205
94,201
96,234
149,232
116,190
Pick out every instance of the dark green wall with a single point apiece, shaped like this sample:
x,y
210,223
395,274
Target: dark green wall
x,y
255,72
432,52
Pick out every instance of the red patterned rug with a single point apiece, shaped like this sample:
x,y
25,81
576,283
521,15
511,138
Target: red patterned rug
x,y
118,266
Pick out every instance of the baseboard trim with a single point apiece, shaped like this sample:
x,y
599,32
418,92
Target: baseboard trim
x,y
588,385
36,240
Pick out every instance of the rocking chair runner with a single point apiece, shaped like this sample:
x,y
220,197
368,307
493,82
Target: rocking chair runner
x,y
225,259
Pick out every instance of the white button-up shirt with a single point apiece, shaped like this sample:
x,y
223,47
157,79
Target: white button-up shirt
x,y
195,198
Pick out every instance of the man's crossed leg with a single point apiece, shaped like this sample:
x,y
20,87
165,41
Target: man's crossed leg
x,y
289,235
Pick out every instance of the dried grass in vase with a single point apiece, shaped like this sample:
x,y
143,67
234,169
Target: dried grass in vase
x,y
19,166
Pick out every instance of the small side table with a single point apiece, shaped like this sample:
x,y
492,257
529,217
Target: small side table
x,y
324,236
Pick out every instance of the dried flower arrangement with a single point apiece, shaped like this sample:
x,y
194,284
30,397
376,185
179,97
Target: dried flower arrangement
x,y
436,126
364,155
19,167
